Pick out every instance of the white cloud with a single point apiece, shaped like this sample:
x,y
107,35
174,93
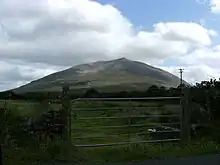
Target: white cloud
x,y
200,64
195,73
215,6
188,32
55,34
207,56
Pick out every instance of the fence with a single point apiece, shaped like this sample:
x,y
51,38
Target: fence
x,y
119,121
95,122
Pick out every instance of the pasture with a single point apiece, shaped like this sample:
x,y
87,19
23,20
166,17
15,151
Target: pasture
x,y
106,122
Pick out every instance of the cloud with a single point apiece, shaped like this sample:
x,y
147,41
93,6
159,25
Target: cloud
x,y
195,73
14,74
215,6
40,37
200,64
202,2
185,32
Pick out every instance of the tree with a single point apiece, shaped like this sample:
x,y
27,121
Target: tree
x,y
91,93
207,95
153,91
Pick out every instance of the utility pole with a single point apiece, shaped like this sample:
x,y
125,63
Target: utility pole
x,y
185,114
181,76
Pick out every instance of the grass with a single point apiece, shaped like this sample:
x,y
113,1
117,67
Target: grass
x,y
24,108
33,109
55,152
142,152
127,153
122,133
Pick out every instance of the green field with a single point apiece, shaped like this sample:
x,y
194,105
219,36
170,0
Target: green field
x,y
97,115
92,119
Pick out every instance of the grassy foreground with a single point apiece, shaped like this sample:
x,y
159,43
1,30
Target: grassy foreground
x,y
62,152
135,153
131,153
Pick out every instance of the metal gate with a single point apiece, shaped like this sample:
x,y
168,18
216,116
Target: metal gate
x,y
119,121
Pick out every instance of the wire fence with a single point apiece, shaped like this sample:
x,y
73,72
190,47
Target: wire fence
x,y
117,121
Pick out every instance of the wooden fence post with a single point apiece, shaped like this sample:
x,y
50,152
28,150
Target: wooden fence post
x,y
185,116
70,119
66,112
129,121
2,121
2,130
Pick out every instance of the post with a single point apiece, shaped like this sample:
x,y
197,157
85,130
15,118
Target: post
x,y
1,157
2,127
70,120
129,121
181,76
1,136
185,117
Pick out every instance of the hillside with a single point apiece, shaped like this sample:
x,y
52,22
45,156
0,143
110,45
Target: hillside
x,y
116,75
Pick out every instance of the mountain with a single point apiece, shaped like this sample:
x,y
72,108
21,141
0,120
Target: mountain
x,y
116,75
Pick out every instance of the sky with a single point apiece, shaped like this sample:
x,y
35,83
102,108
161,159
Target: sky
x,y
41,37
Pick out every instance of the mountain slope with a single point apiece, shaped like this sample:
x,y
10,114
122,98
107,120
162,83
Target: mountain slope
x,y
119,74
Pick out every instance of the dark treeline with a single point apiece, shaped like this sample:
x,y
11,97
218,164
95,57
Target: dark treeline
x,y
206,94
153,91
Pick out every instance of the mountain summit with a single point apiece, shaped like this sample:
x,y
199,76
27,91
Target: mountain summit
x,y
115,75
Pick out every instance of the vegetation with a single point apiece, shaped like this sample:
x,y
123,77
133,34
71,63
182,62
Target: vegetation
x,y
30,117
152,91
142,152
